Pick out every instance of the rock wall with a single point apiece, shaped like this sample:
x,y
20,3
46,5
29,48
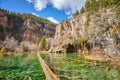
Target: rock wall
x,y
97,28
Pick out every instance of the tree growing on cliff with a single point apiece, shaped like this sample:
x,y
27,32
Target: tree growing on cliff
x,y
42,43
82,10
76,13
22,46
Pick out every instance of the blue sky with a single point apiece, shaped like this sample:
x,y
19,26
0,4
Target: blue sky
x,y
54,10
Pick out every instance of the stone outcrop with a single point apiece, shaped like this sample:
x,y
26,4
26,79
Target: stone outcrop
x,y
68,32
97,28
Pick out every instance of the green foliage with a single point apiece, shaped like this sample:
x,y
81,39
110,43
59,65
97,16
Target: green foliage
x,y
37,42
3,50
27,68
116,30
73,68
79,41
94,5
42,43
77,12
117,10
17,17
82,10
23,47
38,19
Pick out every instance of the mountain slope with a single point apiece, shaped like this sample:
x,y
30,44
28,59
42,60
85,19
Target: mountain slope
x,y
24,27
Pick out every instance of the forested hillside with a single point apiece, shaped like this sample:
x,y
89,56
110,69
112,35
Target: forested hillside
x,y
16,29
93,6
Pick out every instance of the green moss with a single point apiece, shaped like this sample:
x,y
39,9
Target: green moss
x,y
79,41
73,68
21,67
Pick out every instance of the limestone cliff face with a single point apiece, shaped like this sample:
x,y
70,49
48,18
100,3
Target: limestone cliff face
x,y
93,28
78,26
101,22
69,31
34,30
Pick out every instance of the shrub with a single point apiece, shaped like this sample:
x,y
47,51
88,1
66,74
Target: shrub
x,y
3,50
1,55
79,41
23,47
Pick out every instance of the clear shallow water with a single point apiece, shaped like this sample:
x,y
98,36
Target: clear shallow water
x,y
72,67
21,67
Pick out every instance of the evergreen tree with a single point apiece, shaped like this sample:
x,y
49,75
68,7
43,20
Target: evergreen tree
x,y
77,12
42,43
82,10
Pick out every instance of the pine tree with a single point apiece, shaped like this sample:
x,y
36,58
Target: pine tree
x,y
77,12
82,10
42,43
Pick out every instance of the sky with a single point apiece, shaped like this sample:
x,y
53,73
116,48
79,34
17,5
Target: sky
x,y
53,10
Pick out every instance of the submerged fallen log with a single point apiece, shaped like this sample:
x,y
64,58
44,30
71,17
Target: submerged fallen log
x,y
48,73
112,61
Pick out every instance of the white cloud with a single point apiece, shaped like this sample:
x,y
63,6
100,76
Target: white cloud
x,y
40,4
68,12
29,1
70,6
70,16
35,14
53,20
